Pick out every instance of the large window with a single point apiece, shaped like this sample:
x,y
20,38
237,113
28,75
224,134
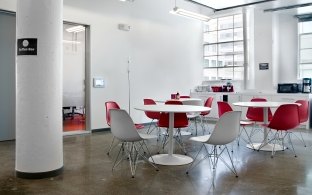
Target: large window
x,y
305,49
224,48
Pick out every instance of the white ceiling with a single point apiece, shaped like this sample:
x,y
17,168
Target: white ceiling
x,y
224,4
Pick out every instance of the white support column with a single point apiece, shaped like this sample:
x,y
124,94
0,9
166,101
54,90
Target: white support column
x,y
39,141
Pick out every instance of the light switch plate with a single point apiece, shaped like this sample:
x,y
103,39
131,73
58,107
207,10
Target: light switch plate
x,y
98,82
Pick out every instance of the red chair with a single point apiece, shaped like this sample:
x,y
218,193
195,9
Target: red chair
x,y
185,96
113,105
285,118
256,114
303,110
152,115
208,103
224,107
303,115
180,121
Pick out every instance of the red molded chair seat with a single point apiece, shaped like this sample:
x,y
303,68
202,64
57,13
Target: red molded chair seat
x,y
256,114
151,115
285,118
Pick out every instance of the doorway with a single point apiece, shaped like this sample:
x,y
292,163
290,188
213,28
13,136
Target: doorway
x,y
74,77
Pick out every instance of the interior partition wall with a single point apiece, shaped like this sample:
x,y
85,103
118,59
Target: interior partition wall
x,y
7,75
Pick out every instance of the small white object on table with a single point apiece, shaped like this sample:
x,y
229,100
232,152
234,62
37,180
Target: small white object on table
x,y
170,158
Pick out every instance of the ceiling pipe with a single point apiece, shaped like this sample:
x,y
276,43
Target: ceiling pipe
x,y
232,7
287,7
197,3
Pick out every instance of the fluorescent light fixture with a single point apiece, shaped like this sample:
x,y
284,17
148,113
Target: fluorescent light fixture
x,y
76,29
67,41
189,14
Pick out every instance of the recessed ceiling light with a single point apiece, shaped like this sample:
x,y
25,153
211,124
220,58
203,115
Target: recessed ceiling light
x,y
76,29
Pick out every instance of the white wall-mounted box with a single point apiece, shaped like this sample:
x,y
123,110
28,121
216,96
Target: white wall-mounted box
x,y
98,82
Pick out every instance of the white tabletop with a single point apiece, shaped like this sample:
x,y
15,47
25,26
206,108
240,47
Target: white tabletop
x,y
172,108
261,104
180,99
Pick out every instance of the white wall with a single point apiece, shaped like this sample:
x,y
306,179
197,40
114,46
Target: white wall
x,y
285,47
165,52
261,50
273,39
9,5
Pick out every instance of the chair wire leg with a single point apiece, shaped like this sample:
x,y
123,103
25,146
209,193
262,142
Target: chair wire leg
x,y
239,135
149,130
203,125
215,158
231,159
275,137
111,146
117,163
300,138
292,146
180,141
149,154
133,157
191,165
195,119
165,140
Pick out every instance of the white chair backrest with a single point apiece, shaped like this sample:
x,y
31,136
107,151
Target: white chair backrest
x,y
192,102
122,126
226,129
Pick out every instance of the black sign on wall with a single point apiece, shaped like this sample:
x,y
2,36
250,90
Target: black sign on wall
x,y
27,46
263,66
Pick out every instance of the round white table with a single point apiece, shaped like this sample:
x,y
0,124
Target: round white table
x,y
264,146
170,158
180,99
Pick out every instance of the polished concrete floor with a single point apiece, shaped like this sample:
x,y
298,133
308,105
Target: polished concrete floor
x,y
88,170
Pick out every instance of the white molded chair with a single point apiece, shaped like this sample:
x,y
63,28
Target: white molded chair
x,y
124,129
193,115
225,131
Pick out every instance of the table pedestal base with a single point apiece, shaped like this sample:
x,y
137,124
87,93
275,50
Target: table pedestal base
x,y
175,159
267,147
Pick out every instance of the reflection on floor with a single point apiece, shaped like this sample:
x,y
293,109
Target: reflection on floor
x,y
74,123
88,170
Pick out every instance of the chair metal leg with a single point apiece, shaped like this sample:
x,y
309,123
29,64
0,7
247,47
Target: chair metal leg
x,y
111,146
133,158
292,146
117,163
231,159
202,121
300,138
191,165
149,154
178,138
147,131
